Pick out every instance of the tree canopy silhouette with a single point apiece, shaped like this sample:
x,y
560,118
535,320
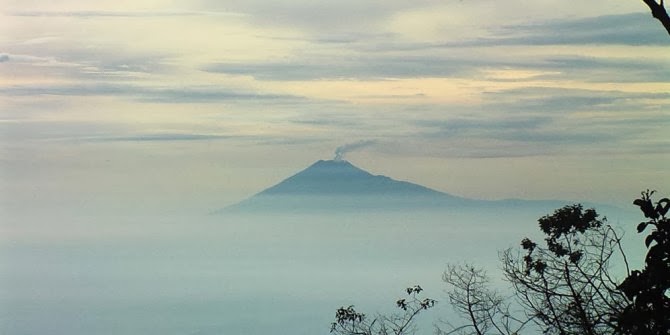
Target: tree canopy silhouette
x,y
350,322
648,289
567,284
481,309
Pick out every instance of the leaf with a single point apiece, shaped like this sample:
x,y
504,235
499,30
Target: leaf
x,y
642,226
649,239
663,206
402,304
647,208
575,256
654,256
527,244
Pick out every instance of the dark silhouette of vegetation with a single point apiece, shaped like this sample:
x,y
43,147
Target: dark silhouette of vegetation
x,y
648,289
483,310
659,12
350,322
565,285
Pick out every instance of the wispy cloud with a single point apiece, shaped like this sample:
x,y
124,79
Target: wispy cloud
x,y
551,100
389,56
160,137
361,68
460,126
321,16
625,29
147,94
609,69
123,14
79,64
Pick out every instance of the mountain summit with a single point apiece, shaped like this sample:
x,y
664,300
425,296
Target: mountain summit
x,y
341,178
337,185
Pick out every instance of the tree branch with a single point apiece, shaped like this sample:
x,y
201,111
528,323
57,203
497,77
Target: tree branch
x,y
658,12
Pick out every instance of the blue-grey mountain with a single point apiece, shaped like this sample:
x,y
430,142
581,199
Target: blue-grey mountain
x,y
338,186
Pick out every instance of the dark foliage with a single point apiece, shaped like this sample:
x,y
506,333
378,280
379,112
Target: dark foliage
x,y
481,309
565,285
350,322
648,289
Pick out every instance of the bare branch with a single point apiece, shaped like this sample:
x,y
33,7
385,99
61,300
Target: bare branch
x,y
659,12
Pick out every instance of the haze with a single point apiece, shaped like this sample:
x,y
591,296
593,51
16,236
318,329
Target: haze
x,y
125,124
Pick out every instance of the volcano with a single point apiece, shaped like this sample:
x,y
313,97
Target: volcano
x,y
337,185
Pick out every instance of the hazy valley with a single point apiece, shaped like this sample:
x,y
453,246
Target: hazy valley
x,y
279,262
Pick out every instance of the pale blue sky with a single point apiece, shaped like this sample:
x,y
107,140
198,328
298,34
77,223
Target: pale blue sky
x,y
157,105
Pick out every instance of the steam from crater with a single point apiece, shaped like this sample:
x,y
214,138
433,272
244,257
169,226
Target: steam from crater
x,y
341,151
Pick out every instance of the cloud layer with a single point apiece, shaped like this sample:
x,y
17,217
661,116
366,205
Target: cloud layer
x,y
427,79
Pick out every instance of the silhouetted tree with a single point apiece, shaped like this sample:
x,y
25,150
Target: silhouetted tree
x,y
648,289
566,285
350,322
659,12
483,310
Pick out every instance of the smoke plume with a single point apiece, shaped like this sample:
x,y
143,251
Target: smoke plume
x,y
341,151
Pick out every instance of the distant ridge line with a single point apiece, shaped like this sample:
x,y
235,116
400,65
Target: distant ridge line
x,y
339,186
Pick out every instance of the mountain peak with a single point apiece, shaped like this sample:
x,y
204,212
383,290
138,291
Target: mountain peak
x,y
335,184
332,169
333,164
339,186
322,177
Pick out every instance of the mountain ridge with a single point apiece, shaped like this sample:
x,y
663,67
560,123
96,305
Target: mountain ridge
x,y
340,176
338,185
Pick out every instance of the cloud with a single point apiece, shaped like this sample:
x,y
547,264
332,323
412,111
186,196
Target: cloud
x,y
83,14
550,100
482,139
609,69
195,95
363,67
74,63
27,128
148,94
461,126
319,16
463,148
623,29
531,131
548,121
394,59
4,58
161,137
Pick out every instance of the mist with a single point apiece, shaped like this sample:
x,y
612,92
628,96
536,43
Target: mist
x,y
250,274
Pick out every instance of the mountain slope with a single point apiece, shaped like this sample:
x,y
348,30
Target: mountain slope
x,y
342,178
337,186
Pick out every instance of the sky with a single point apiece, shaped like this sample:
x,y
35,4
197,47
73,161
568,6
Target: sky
x,y
163,106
